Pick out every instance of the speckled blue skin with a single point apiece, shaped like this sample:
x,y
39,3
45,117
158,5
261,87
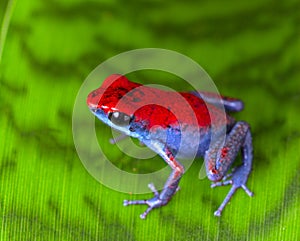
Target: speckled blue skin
x,y
166,142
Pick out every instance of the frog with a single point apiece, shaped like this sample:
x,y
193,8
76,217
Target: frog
x,y
131,108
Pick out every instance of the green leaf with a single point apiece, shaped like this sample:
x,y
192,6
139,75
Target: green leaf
x,y
48,48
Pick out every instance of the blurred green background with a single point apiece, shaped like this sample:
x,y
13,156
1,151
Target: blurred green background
x,y
47,49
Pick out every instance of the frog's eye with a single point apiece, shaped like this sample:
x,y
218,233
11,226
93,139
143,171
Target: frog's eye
x,y
119,118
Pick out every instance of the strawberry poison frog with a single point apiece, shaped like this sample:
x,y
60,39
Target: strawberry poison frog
x,y
124,105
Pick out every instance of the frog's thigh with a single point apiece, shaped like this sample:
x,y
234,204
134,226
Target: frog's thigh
x,y
218,158
230,104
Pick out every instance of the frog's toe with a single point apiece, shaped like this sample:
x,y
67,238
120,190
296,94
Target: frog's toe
x,y
222,183
251,194
153,189
134,202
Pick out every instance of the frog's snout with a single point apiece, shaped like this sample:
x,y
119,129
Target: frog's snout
x,y
92,100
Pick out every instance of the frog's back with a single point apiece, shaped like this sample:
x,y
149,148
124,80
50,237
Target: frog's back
x,y
155,106
207,113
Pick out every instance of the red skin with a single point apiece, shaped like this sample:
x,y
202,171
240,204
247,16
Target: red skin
x,y
135,109
116,87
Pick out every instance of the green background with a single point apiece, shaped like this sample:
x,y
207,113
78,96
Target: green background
x,y
47,49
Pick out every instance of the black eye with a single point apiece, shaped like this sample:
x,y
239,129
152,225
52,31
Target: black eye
x,y
119,118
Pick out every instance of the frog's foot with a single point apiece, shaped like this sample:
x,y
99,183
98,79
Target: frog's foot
x,y
239,179
152,203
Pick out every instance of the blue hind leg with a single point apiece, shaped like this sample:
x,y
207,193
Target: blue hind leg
x,y
238,139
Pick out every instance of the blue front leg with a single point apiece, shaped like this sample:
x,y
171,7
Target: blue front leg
x,y
170,187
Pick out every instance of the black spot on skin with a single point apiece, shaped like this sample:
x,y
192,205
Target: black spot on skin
x,y
136,99
94,94
136,95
